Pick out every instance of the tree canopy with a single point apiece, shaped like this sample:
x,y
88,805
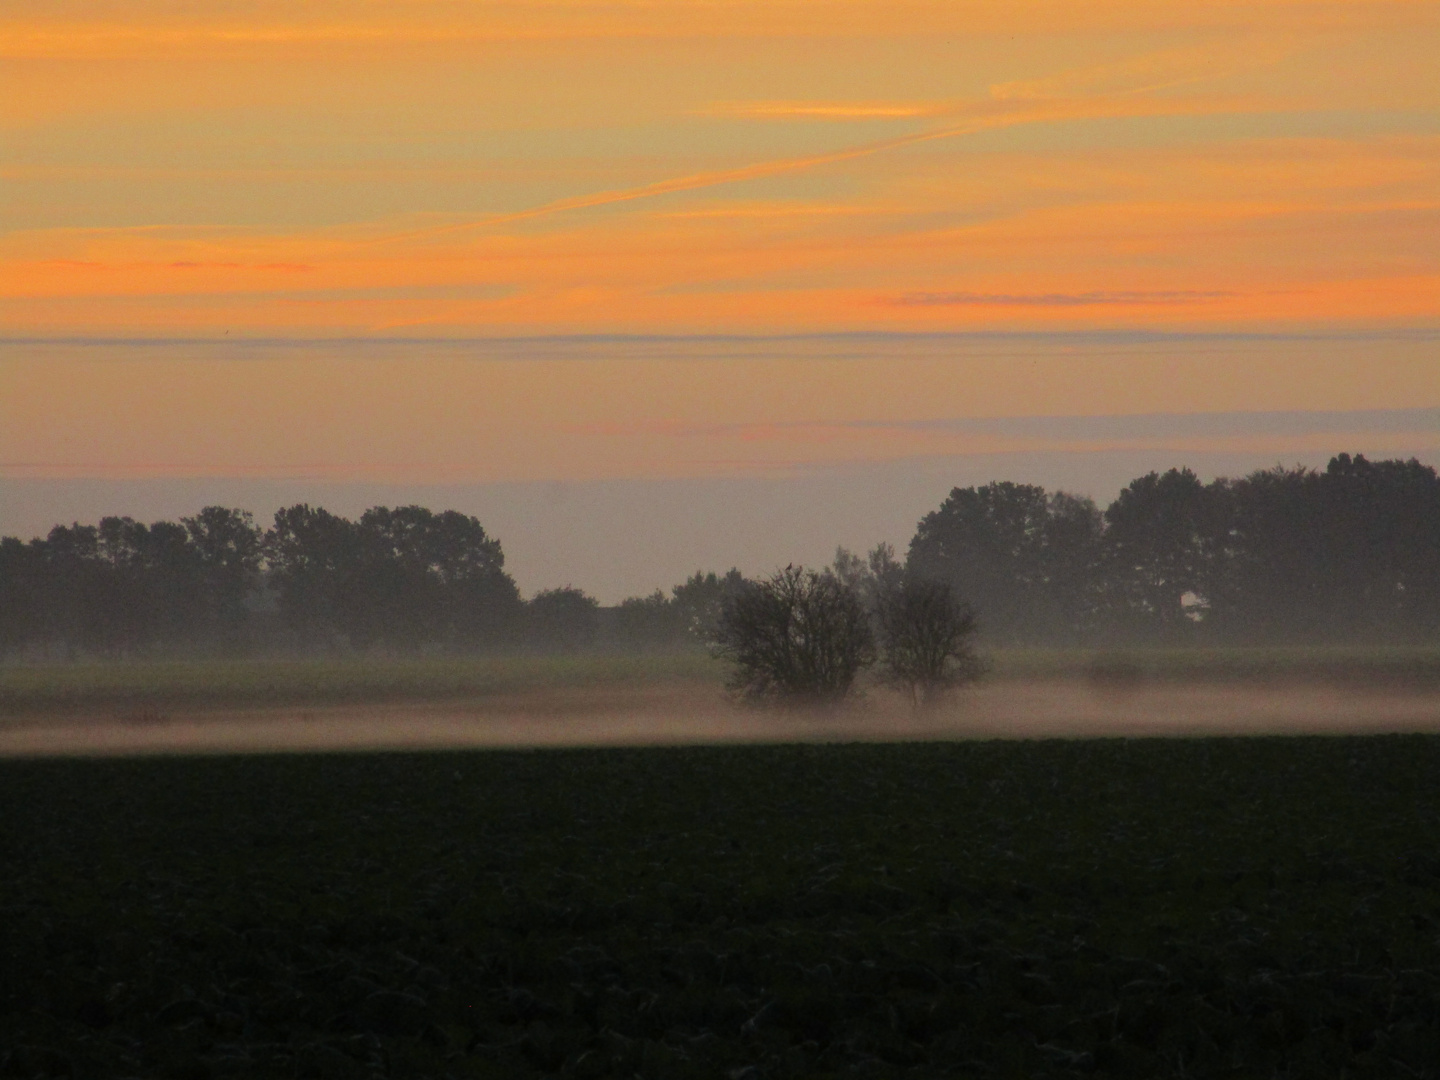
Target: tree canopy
x,y
1281,555
1348,553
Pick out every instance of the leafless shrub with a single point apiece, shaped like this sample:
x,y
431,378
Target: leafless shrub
x,y
797,637
926,635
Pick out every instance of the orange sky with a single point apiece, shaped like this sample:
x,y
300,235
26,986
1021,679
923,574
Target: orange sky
x,y
1242,200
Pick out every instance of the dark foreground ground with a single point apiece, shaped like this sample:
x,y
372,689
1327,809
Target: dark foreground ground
x,y
1255,908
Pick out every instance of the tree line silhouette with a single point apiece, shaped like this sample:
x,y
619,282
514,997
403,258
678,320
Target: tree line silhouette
x,y
1281,555
397,579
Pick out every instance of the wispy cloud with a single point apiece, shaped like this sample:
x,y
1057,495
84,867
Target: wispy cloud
x,y
1135,429
1156,426
1121,192
78,30
1080,299
1150,72
827,110
553,346
981,117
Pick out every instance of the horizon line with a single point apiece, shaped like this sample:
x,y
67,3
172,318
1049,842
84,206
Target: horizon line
x,y
1119,334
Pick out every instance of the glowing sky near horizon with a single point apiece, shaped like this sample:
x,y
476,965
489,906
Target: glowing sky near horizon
x,y
443,240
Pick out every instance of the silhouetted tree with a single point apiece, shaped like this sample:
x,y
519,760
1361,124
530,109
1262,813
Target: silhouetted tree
x,y
1350,553
1074,539
1158,553
796,637
75,605
427,577
314,562
124,586
685,619
1382,544
926,639
402,577
563,619
701,598
642,623
228,550
23,582
156,584
873,579
1024,558
1266,572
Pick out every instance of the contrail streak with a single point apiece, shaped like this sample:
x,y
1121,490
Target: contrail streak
x,y
1010,117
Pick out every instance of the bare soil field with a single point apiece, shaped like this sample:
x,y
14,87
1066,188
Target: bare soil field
x,y
1043,908
698,713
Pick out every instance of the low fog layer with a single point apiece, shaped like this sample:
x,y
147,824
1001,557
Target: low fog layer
x,y
1031,710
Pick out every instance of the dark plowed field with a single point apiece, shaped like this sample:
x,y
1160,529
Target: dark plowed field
x,y
1147,908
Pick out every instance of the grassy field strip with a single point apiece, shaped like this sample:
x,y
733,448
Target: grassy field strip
x,y
145,689
157,686
1416,665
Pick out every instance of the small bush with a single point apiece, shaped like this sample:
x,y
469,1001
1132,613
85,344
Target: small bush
x,y
797,637
925,636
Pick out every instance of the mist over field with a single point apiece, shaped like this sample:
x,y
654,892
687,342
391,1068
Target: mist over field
x,y
1286,600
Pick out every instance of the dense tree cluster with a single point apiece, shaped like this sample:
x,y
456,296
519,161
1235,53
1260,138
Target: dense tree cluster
x,y
688,618
395,577
401,578
1344,554
123,585
1350,553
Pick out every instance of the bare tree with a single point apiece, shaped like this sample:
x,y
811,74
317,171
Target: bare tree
x,y
872,578
925,639
797,637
